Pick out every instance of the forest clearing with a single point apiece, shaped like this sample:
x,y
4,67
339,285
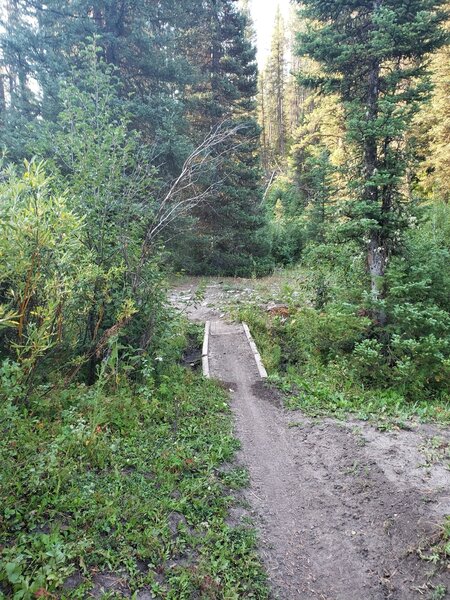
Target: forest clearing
x,y
225,299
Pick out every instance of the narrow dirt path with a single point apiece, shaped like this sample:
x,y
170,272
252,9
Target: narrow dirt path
x,y
341,507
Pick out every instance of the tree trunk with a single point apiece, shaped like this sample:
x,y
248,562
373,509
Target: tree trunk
x,y
263,123
280,96
377,259
377,247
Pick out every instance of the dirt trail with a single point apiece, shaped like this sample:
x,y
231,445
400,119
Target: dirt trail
x,y
341,507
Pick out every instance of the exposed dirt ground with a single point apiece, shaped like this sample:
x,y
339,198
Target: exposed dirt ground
x,y
341,508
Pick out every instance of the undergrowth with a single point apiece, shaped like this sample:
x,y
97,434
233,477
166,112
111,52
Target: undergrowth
x,y
311,357
327,348
124,481
437,552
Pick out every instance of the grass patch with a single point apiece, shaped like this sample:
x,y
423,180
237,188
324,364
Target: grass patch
x,y
308,356
323,392
125,483
437,551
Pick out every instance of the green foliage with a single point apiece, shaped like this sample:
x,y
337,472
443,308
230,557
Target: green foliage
x,y
431,134
287,228
376,325
124,480
111,183
438,552
337,358
110,451
178,71
230,237
43,265
419,307
369,362
80,284
303,205
381,84
323,370
325,335
335,274
273,96
269,345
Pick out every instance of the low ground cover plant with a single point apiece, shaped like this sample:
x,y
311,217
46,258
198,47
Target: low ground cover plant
x,y
124,483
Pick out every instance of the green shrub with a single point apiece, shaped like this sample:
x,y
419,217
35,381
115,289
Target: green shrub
x,y
287,229
268,342
331,350
322,334
80,289
288,241
91,477
418,307
43,264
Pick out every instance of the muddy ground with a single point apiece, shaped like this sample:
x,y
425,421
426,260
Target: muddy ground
x,y
342,509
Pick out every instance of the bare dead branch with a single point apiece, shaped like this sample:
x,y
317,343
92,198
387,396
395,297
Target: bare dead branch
x,y
186,192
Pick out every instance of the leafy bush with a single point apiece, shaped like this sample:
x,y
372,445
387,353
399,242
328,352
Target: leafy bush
x,y
111,182
79,283
368,361
43,265
286,226
334,353
288,241
323,334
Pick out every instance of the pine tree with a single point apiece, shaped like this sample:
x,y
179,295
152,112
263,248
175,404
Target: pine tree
x,y
263,118
275,89
18,102
373,55
433,124
296,93
316,160
281,96
228,238
184,68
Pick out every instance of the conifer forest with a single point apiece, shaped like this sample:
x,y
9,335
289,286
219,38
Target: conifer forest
x,y
165,178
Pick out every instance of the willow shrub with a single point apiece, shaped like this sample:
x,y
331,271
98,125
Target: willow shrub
x,y
43,265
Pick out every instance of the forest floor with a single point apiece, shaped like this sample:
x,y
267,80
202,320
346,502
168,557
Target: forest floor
x,y
344,510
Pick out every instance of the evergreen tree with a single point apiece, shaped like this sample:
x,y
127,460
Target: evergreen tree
x,y
18,102
296,93
373,55
184,68
228,237
281,96
263,118
433,130
150,44
316,156
275,89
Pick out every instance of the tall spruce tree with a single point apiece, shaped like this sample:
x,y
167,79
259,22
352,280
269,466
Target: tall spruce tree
x,y
373,53
228,238
432,137
18,104
296,93
274,90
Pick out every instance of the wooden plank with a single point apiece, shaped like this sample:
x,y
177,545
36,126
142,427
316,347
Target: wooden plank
x,y
205,350
259,363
